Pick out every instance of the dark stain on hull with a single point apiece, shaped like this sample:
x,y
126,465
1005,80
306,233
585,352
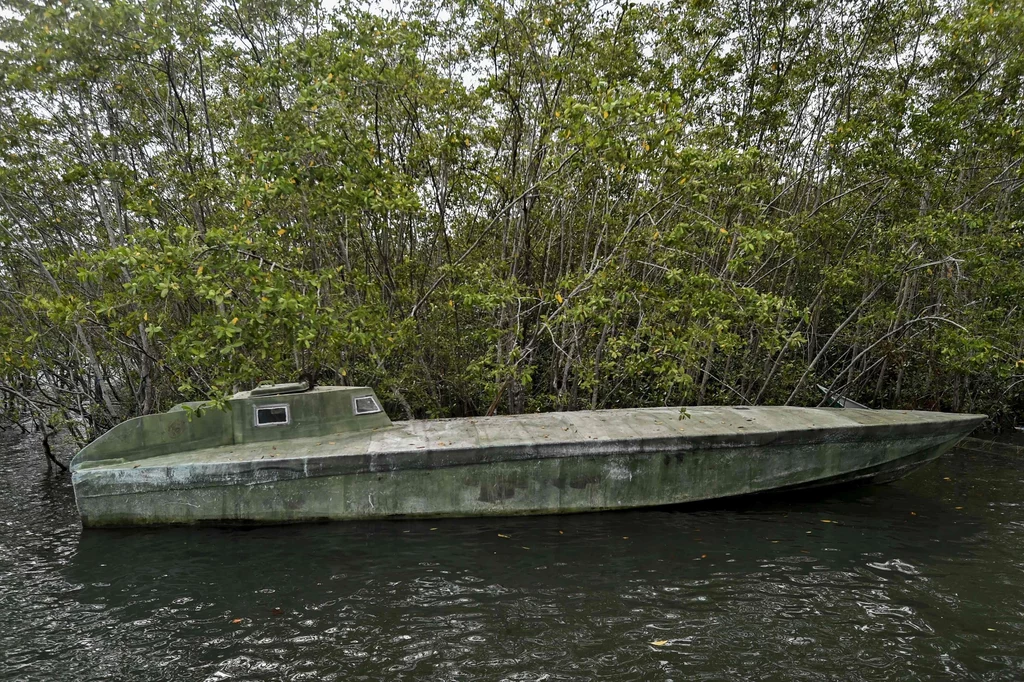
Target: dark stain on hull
x,y
577,482
496,492
582,481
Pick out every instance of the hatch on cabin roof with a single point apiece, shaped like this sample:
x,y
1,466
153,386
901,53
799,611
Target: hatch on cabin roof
x,y
278,389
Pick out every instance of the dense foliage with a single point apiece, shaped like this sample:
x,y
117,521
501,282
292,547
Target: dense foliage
x,y
511,206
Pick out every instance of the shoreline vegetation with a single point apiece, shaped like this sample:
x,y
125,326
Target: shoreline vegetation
x,y
494,207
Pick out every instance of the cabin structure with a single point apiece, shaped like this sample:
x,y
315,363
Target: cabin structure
x,y
266,413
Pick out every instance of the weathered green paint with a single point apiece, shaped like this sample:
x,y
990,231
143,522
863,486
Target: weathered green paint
x,y
157,434
525,464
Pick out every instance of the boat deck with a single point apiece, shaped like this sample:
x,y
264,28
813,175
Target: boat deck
x,y
567,433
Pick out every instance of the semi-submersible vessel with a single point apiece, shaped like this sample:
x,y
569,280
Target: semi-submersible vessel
x,y
286,453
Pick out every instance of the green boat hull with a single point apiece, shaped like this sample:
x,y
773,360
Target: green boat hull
x,y
531,464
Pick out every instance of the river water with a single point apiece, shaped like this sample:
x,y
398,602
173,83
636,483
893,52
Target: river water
x,y
915,580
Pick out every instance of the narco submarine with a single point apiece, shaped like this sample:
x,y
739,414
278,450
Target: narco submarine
x,y
286,453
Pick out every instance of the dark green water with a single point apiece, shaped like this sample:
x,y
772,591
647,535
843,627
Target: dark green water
x,y
923,579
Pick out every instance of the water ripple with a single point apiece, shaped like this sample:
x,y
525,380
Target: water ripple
x,y
915,580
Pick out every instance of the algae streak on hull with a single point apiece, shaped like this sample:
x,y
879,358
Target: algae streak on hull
x,y
525,464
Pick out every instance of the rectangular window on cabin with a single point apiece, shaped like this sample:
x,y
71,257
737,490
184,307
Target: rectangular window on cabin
x,y
272,415
366,404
